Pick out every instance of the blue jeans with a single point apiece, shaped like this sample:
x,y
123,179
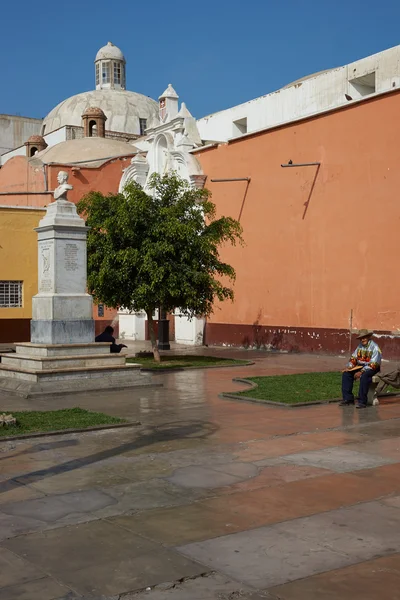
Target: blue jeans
x,y
365,382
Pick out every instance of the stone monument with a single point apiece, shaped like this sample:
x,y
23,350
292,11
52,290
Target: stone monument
x,y
62,355
62,311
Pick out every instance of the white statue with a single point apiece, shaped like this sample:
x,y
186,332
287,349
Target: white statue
x,y
60,193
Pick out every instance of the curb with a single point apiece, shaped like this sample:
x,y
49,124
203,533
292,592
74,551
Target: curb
x,y
39,434
245,363
253,386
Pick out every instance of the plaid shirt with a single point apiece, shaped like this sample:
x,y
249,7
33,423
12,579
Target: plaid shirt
x,y
368,356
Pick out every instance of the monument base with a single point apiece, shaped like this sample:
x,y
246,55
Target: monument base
x,y
49,331
40,369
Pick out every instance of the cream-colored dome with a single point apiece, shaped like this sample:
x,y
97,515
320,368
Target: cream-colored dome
x,y
122,108
110,52
94,150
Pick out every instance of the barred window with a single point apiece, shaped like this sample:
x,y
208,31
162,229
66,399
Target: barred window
x,y
142,125
117,73
106,72
10,294
97,73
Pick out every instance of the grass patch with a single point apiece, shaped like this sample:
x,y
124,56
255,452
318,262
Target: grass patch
x,y
184,361
56,420
294,389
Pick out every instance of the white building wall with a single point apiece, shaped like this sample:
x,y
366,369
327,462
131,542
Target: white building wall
x,y
15,130
51,139
21,151
305,97
55,137
132,325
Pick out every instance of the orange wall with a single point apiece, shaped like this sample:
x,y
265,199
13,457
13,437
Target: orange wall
x,y
309,266
104,179
18,175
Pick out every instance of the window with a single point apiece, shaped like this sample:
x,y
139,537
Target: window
x,y
362,86
142,125
92,129
97,74
10,294
239,127
105,69
117,73
33,151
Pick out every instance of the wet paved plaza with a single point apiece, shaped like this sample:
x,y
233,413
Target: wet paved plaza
x,y
209,499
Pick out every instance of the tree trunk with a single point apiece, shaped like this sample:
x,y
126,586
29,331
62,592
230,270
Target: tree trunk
x,y
153,340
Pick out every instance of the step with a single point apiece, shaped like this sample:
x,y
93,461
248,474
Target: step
x,y
51,363
67,373
29,349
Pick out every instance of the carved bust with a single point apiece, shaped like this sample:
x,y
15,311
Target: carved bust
x,y
60,193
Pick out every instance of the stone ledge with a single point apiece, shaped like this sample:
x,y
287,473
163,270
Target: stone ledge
x,y
62,357
69,370
27,363
84,344
33,389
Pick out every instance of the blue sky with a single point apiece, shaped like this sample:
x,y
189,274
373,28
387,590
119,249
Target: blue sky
x,y
216,53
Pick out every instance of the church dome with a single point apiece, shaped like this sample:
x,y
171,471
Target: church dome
x,y
123,110
126,112
110,52
95,150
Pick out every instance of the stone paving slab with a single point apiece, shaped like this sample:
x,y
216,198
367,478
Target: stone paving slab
x,y
210,587
373,580
341,460
271,556
102,558
203,477
15,569
11,525
52,508
41,589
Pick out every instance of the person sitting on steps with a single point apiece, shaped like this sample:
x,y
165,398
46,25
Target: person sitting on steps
x,y
107,336
364,363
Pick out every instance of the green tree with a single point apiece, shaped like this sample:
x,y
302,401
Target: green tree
x,y
158,249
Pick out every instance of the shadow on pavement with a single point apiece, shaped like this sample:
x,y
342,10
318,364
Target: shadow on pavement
x,y
168,431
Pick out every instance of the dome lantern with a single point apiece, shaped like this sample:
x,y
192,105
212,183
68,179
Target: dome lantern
x,y
94,122
34,144
110,68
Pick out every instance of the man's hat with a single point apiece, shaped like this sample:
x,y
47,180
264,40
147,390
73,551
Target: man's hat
x,y
364,333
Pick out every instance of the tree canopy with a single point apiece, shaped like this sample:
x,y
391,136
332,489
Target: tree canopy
x,y
147,250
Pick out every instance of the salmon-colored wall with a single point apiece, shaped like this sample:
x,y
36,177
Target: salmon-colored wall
x,y
104,179
18,175
318,242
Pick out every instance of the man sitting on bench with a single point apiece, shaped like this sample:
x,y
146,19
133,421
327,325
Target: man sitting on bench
x,y
364,363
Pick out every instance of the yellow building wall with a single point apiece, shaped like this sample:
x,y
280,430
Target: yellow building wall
x,y
18,255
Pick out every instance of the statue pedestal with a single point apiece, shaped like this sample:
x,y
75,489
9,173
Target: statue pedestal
x,y
62,310
51,369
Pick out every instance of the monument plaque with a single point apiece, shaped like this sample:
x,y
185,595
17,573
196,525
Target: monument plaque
x,y
71,257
